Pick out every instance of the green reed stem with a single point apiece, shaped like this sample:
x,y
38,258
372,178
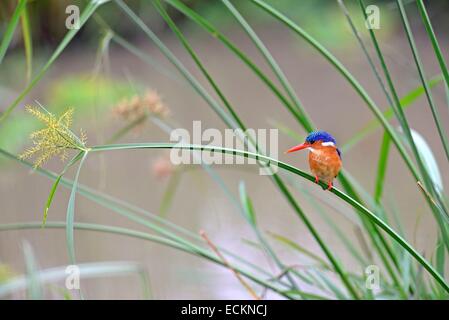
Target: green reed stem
x,y
268,160
422,76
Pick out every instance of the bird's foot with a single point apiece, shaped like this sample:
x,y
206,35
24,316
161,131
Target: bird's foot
x,y
330,186
316,179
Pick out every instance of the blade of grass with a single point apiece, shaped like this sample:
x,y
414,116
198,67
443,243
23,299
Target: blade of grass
x,y
319,283
440,256
247,204
293,245
365,51
360,208
396,105
129,211
332,287
190,50
150,60
165,126
251,217
206,25
406,101
433,195
340,234
230,109
287,131
308,125
27,42
277,180
422,76
147,59
381,244
85,15
226,263
315,199
35,290
191,14
269,59
87,270
421,288
403,120
7,36
113,230
55,186
138,235
436,47
310,296
168,127
169,193
382,167
71,212
356,86
371,229
211,29
181,68
97,228
347,75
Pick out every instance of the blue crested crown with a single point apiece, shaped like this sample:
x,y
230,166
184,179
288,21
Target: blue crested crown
x,y
320,136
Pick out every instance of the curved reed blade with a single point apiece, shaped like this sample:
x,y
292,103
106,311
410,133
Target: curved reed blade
x,y
434,40
7,36
360,208
422,76
71,212
85,15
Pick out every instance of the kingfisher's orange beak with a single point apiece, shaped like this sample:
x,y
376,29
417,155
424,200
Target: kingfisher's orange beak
x,y
299,147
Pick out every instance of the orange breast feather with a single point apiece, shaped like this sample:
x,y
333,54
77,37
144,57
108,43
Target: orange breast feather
x,y
324,162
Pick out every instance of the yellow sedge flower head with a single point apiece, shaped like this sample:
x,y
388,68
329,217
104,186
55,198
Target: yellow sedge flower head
x,y
56,139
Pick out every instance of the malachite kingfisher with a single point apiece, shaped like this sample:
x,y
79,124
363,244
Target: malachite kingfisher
x,y
324,156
